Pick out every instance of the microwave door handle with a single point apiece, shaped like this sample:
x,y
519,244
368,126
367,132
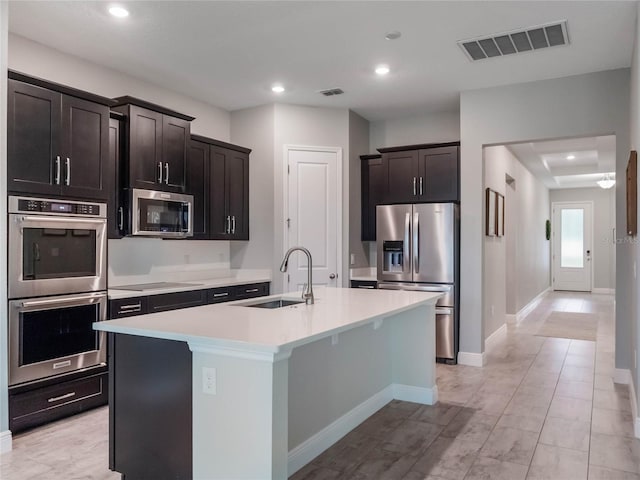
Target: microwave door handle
x,y
33,218
416,243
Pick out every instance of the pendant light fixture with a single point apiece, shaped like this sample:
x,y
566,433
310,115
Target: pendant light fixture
x,y
606,182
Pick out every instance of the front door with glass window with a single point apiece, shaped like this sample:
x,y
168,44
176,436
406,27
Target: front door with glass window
x,y
572,249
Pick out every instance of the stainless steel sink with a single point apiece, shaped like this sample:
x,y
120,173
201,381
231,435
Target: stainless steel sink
x,y
275,303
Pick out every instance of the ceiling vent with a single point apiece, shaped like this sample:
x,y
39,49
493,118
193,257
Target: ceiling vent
x,y
518,41
331,92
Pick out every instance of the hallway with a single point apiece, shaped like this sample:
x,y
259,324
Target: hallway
x,y
542,407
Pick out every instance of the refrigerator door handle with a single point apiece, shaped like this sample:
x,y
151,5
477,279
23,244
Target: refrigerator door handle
x,y
407,236
416,243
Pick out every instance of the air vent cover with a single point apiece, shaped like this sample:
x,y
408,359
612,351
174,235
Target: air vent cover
x,y
331,92
518,41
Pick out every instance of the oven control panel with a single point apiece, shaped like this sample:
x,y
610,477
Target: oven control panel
x,y
56,207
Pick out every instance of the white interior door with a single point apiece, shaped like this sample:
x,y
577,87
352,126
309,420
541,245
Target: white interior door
x,y
572,246
313,213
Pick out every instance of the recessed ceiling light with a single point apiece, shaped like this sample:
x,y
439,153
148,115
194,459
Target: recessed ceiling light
x,y
277,89
393,35
571,157
382,69
119,12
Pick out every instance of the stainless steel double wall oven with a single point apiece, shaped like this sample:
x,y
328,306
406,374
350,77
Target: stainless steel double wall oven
x,y
57,287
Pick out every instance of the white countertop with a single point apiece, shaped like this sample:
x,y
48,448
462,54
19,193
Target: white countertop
x,y
237,278
366,274
232,326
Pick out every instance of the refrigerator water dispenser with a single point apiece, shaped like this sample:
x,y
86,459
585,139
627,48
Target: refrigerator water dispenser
x,y
392,255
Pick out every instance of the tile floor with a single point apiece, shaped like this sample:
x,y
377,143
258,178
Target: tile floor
x,y
543,407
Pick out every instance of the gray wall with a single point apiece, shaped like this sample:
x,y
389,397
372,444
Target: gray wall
x,y
632,311
604,221
582,105
358,145
521,272
254,129
428,128
4,30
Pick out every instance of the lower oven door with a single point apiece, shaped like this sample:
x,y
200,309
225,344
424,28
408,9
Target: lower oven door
x,y
55,335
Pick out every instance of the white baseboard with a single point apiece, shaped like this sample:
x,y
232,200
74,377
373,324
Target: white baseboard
x,y
499,333
409,393
603,291
318,443
6,444
623,377
471,359
528,308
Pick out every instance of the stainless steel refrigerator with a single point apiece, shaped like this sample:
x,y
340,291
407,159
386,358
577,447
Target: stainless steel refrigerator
x,y
418,249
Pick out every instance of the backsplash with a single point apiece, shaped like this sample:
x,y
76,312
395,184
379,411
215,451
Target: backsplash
x,y
145,259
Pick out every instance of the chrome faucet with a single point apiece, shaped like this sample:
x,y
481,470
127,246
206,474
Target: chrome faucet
x,y
307,293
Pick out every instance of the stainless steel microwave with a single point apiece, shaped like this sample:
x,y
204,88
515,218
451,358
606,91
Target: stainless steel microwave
x,y
161,214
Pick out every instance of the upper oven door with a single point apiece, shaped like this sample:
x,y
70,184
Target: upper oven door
x,y
161,214
51,255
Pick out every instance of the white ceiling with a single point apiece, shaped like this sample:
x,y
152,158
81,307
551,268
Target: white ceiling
x,y
548,160
230,53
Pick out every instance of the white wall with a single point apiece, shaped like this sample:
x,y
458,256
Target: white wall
x,y
41,61
4,374
526,222
634,310
604,221
358,145
582,105
428,128
254,128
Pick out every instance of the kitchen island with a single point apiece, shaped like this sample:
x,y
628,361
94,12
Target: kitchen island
x,y
270,389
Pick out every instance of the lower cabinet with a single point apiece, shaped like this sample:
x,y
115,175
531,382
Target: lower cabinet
x,y
46,401
368,284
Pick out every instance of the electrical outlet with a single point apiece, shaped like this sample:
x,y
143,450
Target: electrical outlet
x,y
493,311
352,260
209,384
634,269
635,359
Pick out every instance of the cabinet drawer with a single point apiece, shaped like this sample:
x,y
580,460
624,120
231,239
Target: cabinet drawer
x,y
173,301
127,307
364,284
42,405
252,290
219,295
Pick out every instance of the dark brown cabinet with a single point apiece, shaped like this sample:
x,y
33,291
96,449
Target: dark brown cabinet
x,y
157,144
218,178
422,173
115,206
374,177
197,184
58,140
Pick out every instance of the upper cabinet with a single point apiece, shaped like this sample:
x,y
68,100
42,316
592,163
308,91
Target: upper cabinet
x,y
375,181
157,144
422,173
115,206
58,140
218,178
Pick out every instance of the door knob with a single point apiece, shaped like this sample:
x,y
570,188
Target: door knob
x,y
332,276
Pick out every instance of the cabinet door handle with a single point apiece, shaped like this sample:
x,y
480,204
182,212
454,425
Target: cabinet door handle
x,y
121,219
228,229
57,179
421,189
61,397
218,295
67,176
233,224
134,307
252,290
366,286
414,186
166,173
159,172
